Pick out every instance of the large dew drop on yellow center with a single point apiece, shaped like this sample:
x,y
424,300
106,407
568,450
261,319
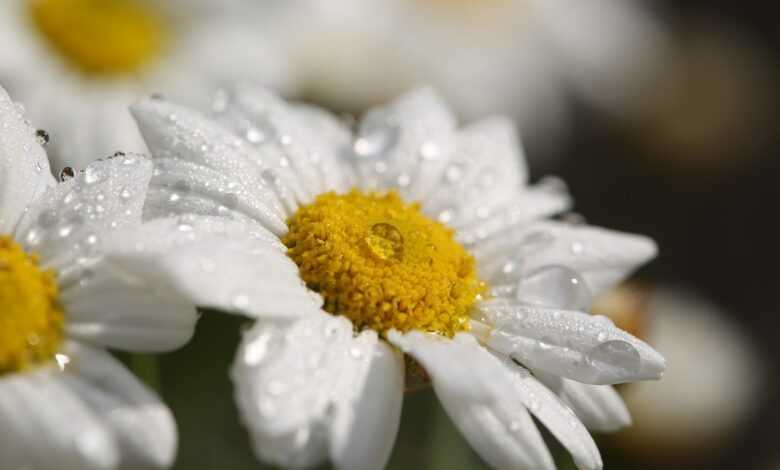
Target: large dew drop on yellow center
x,y
31,320
101,37
383,264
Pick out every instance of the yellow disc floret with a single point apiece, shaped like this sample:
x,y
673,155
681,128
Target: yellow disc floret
x,y
31,319
382,263
101,37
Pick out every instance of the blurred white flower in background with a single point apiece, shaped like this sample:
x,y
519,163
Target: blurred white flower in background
x,y
708,402
516,57
345,271
78,64
70,284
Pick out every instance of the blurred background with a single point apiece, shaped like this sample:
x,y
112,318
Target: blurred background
x,y
661,119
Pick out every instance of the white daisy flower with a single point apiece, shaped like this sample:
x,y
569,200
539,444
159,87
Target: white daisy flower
x,y
518,57
78,64
414,239
71,283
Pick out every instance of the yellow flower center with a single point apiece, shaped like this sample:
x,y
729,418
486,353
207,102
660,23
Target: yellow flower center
x,y
383,264
31,319
101,37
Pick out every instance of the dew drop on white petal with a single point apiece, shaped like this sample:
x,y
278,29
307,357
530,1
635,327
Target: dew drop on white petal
x,y
42,137
555,286
429,151
67,173
355,352
240,301
616,352
377,143
404,180
92,175
62,361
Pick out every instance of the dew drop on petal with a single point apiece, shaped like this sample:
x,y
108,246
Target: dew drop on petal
x,y
617,353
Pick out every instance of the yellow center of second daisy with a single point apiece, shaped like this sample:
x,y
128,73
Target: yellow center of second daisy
x,y
382,263
31,319
101,37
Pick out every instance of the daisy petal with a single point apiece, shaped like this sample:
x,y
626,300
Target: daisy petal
x,y
143,425
599,407
182,187
477,392
114,307
404,145
24,168
50,425
532,203
305,141
486,171
69,220
173,131
302,385
571,344
603,257
214,262
365,427
555,415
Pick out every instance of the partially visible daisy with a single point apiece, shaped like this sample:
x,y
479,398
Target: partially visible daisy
x,y
78,64
518,57
75,278
413,249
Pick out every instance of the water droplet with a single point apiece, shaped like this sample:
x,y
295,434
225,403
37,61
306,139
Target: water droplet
x,y
577,248
453,174
377,143
445,216
181,186
42,137
67,173
556,287
125,194
404,180
92,175
429,151
219,103
385,242
616,353
62,360
47,218
174,197
355,352
240,301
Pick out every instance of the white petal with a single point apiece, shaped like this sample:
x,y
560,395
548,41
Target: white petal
x,y
571,344
69,220
214,262
116,307
181,187
545,199
404,145
144,427
477,392
306,142
51,427
555,415
368,418
599,407
173,131
24,168
302,385
485,172
603,257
